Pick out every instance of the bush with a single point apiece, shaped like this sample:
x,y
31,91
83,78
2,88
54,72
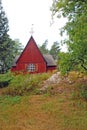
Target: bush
x,y
80,90
5,79
25,84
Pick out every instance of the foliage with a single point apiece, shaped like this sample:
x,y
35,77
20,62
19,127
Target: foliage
x,y
7,54
78,83
80,92
43,47
8,47
17,48
29,84
5,79
55,49
76,28
3,23
4,38
64,63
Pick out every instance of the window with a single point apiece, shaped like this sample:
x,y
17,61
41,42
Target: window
x,y
31,68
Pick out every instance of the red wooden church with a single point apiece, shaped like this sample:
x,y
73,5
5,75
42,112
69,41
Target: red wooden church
x,y
31,60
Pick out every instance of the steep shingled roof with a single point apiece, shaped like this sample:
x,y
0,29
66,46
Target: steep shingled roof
x,y
15,60
49,59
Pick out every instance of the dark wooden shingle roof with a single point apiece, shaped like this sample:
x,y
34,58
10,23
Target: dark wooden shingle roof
x,y
49,59
15,60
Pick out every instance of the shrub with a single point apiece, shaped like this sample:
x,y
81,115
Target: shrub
x,y
80,90
73,76
5,79
25,84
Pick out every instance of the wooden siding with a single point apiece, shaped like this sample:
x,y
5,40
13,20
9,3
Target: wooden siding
x,y
31,54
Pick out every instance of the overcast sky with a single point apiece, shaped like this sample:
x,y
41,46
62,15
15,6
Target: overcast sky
x,y
23,13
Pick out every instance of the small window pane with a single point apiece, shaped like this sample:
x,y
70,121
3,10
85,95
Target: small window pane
x,y
31,68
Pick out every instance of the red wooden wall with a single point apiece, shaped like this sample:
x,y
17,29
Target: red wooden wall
x,y
31,54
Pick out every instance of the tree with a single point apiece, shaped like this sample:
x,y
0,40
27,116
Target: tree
x,y
8,47
43,47
11,49
3,36
15,49
76,28
55,49
3,24
65,62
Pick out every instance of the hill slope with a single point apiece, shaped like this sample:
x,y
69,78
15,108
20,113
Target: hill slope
x,y
57,107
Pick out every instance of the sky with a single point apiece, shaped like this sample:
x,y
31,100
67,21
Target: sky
x,y
22,14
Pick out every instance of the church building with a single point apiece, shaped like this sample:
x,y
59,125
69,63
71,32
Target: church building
x,y
32,60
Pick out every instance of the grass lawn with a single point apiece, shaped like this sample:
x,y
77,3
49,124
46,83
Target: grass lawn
x,y
62,107
42,112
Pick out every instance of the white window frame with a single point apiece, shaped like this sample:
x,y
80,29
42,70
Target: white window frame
x,y
31,67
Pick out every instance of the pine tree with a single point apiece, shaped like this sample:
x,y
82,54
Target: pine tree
x,y
4,28
55,49
8,48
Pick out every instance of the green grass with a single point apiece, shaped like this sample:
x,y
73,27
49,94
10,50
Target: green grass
x,y
39,112
50,111
9,100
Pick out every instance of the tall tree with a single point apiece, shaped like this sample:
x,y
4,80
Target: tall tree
x,y
3,37
76,28
15,48
55,49
4,28
43,47
8,47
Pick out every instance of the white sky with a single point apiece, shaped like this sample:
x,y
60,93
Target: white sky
x,y
23,13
